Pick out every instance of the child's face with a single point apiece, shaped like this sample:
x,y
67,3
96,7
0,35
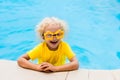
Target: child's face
x,y
53,35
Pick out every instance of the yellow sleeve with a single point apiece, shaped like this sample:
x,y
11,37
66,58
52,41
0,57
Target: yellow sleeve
x,y
35,52
68,51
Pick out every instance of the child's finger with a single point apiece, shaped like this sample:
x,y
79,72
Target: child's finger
x,y
44,63
44,66
46,69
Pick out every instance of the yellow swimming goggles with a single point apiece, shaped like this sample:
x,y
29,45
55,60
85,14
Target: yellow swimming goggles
x,y
50,35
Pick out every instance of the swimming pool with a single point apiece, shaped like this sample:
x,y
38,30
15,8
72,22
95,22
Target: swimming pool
x,y
94,28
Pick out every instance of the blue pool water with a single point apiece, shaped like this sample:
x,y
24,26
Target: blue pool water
x,y
94,28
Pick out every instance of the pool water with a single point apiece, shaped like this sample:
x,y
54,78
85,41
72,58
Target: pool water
x,y
94,29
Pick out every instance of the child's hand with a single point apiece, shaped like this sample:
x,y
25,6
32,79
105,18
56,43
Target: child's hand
x,y
47,67
39,67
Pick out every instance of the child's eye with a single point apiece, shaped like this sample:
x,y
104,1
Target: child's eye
x,y
49,35
58,34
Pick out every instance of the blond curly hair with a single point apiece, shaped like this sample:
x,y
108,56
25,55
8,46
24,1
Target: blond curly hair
x,y
40,27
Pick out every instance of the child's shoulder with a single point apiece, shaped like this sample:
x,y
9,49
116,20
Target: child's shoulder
x,y
40,44
64,43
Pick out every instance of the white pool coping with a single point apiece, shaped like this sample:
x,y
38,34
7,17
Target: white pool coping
x,y
9,70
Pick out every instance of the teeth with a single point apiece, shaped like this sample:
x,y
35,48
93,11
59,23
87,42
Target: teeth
x,y
53,41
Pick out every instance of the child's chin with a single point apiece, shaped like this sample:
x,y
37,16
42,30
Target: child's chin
x,y
54,46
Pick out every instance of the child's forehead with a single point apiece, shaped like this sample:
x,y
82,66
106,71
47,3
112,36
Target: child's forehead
x,y
52,27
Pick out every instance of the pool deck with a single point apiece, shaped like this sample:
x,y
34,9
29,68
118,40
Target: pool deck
x,y
9,70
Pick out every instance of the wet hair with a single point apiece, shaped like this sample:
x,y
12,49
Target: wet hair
x,y
40,27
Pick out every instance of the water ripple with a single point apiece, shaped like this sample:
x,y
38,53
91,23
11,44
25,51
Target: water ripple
x,y
118,16
118,54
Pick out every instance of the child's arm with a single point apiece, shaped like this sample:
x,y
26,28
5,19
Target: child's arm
x,y
73,65
24,62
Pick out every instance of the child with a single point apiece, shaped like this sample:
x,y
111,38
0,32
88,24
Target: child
x,y
52,52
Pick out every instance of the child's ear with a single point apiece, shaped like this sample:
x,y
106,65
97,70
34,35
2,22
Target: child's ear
x,y
43,36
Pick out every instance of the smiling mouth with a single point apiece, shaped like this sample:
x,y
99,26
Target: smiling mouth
x,y
53,42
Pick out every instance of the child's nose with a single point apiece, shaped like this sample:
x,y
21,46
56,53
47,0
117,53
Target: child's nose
x,y
54,37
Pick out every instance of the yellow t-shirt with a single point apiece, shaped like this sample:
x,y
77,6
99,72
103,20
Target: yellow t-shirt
x,y
58,57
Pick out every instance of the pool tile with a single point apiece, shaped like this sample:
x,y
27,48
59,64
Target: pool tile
x,y
116,74
81,74
100,75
